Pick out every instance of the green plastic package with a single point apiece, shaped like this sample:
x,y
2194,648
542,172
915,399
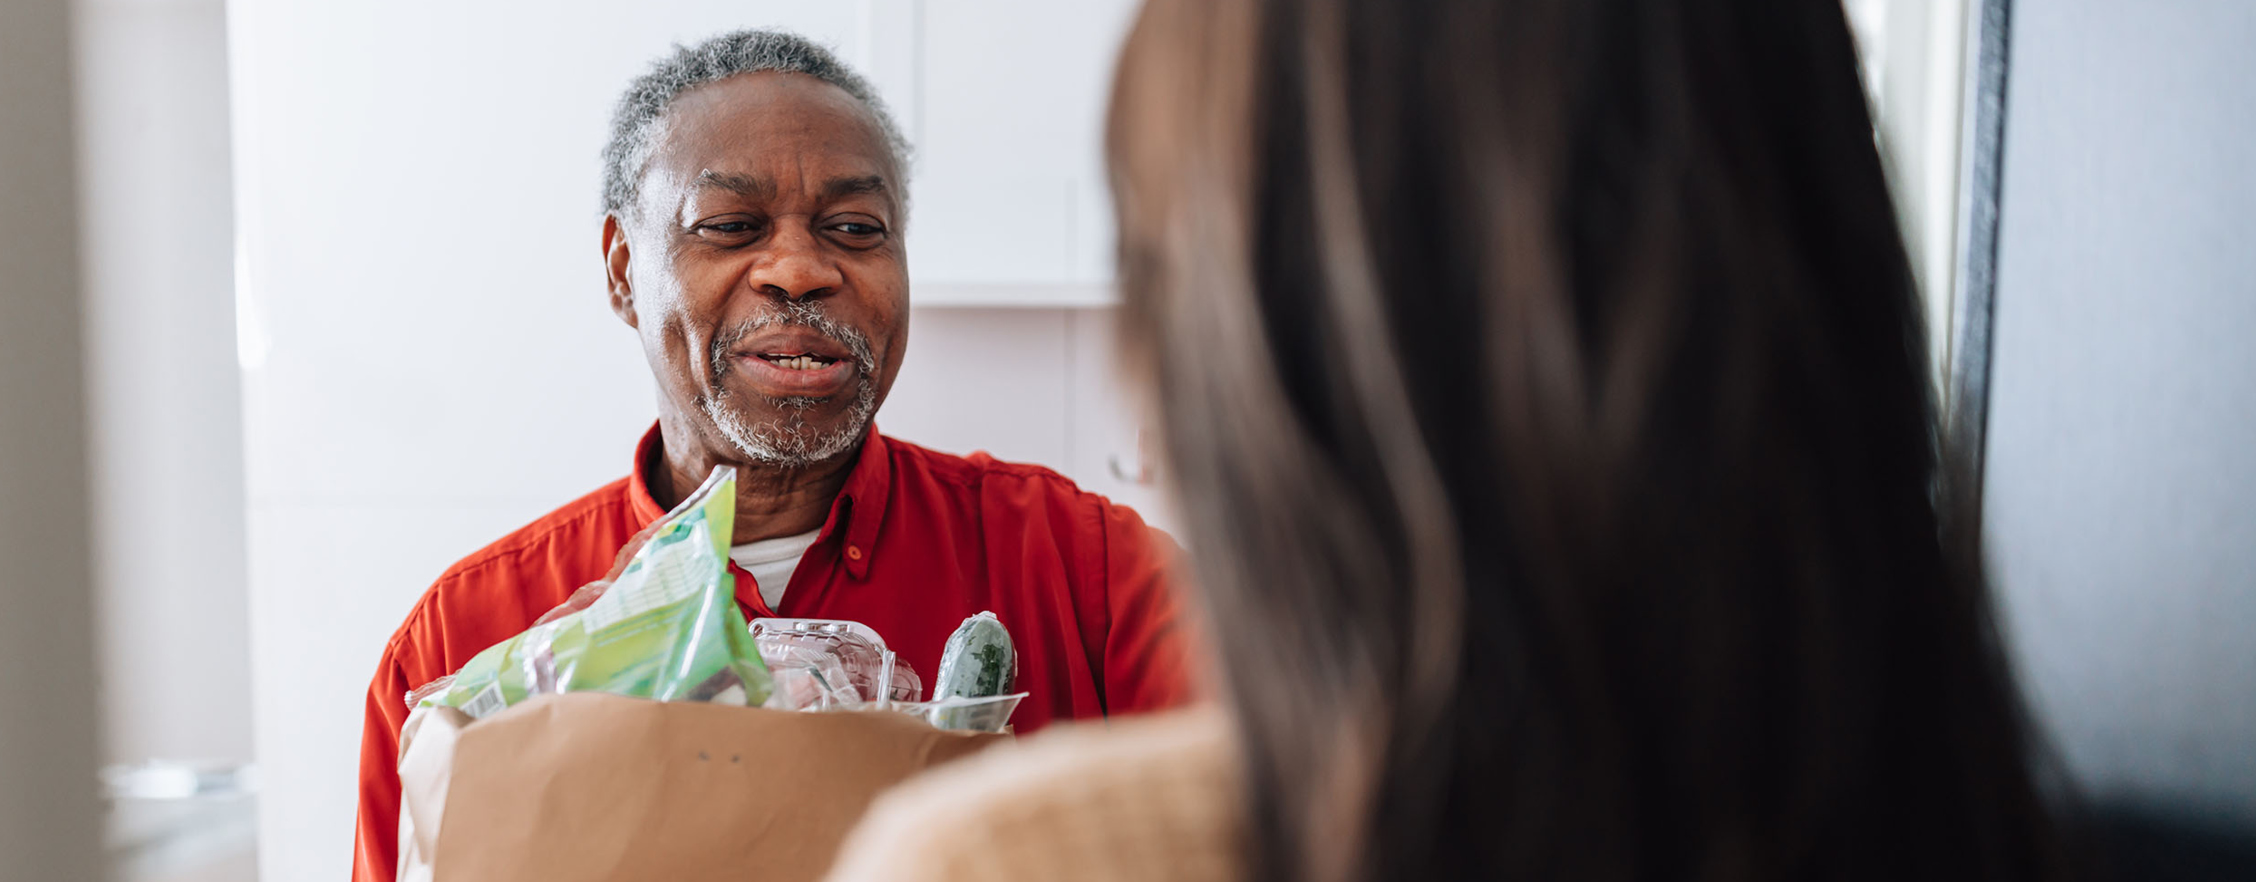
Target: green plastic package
x,y
664,625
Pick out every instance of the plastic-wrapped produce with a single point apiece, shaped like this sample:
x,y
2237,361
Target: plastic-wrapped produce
x,y
979,660
978,666
663,625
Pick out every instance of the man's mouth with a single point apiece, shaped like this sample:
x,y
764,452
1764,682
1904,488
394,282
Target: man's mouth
x,y
811,359
796,373
796,363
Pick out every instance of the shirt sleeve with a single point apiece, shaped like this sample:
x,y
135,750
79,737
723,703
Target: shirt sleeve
x,y
1148,653
376,837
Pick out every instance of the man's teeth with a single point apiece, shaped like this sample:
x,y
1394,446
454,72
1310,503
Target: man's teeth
x,y
798,362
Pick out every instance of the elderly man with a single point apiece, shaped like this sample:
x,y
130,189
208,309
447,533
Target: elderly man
x,y
753,240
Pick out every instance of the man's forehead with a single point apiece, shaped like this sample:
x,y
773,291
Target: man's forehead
x,y
734,126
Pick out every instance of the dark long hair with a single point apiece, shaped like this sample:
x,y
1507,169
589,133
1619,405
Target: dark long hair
x,y
1544,385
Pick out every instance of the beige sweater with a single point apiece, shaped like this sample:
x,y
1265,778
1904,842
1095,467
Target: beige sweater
x,y
1152,798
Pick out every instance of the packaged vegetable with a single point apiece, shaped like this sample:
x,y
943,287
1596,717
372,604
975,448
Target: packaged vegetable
x,y
977,666
663,625
979,660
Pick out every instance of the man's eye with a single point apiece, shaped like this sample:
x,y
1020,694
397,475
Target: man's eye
x,y
858,229
727,228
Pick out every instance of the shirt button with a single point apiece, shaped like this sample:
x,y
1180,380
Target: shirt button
x,y
853,552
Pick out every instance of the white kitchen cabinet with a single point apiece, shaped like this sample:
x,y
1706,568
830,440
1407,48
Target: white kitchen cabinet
x,y
1011,207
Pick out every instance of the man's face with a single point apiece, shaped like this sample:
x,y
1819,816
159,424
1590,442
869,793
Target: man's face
x,y
764,269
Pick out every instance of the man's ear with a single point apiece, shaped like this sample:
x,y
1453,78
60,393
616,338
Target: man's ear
x,y
615,259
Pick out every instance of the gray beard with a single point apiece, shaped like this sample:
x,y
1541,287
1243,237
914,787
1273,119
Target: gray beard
x,y
788,442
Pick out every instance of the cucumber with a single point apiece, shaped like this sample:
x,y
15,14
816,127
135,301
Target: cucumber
x,y
978,662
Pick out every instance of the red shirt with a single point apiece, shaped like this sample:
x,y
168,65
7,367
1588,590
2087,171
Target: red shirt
x,y
916,541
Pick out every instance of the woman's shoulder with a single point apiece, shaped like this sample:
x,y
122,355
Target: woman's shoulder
x,y
1153,797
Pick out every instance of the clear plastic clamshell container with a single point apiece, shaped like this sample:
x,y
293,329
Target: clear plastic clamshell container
x,y
832,664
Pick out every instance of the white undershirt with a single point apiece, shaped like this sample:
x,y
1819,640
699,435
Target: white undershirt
x,y
771,561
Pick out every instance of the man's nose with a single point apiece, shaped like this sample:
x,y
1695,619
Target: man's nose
x,y
794,267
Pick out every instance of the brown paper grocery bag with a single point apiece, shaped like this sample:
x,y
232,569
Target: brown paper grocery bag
x,y
588,786
425,768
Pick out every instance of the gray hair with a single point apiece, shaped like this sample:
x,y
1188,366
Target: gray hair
x,y
716,59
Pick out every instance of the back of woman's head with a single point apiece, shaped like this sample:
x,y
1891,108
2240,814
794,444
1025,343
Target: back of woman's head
x,y
1545,388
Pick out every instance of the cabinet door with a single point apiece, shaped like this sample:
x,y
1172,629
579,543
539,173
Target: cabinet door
x,y
1009,189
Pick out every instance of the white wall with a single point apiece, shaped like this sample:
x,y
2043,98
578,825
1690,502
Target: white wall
x,y
48,810
429,361
2121,494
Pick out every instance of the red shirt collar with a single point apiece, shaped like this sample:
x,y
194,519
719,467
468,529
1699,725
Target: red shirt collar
x,y
857,512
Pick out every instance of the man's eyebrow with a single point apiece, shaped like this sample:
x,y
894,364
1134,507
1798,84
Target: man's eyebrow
x,y
854,186
743,185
